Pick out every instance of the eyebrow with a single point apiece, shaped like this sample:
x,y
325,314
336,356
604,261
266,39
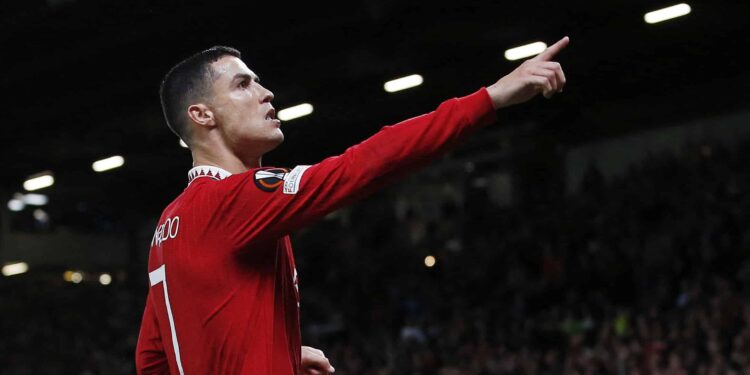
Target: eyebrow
x,y
244,76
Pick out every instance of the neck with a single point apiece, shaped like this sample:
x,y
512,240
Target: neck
x,y
225,160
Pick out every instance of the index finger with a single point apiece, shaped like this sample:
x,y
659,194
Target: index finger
x,y
552,50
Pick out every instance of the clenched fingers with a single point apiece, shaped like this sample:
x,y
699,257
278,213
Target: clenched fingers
x,y
557,68
547,74
547,80
542,84
314,362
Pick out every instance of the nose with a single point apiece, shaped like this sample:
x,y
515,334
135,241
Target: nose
x,y
267,96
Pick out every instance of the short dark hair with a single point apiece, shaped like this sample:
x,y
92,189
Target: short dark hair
x,y
187,83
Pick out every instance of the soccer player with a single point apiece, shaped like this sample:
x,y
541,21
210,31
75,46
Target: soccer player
x,y
224,295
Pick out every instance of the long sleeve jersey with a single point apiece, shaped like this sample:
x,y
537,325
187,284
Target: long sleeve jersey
x,y
224,296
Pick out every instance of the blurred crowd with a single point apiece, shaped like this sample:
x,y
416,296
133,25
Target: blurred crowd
x,y
647,273
54,327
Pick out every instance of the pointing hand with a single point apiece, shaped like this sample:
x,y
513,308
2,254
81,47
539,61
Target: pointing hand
x,y
537,75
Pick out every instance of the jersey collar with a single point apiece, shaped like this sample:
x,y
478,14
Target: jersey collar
x,y
210,171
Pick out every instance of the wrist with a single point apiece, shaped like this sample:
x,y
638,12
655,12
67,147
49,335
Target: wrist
x,y
496,96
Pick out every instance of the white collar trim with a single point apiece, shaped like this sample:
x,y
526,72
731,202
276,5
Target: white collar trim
x,y
210,171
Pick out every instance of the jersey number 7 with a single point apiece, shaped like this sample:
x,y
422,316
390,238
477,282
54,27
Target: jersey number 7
x,y
157,276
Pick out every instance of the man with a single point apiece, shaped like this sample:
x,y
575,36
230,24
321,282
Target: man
x,y
224,288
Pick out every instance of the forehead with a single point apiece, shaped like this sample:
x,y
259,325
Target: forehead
x,y
227,67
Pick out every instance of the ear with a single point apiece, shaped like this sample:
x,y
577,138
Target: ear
x,y
201,115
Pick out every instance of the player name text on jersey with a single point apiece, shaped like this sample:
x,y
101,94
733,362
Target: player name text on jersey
x,y
165,231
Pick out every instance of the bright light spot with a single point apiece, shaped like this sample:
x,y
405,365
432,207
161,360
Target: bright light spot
x,y
183,144
35,199
524,51
291,113
16,205
40,181
108,163
403,83
105,279
15,268
429,261
73,276
40,215
667,13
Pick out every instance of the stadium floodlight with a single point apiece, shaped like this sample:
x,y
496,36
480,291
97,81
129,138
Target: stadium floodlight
x,y
667,13
34,199
39,181
16,205
15,268
429,261
73,276
296,111
403,83
111,162
183,144
527,50
105,279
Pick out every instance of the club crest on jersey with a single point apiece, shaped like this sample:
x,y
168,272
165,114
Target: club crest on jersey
x,y
269,180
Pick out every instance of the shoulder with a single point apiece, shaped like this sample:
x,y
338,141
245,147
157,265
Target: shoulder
x,y
268,179
257,181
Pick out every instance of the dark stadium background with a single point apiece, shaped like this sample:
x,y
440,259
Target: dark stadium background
x,y
622,202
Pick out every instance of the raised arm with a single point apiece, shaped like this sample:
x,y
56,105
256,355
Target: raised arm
x,y
267,203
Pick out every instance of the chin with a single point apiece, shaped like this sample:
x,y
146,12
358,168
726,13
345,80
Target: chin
x,y
274,142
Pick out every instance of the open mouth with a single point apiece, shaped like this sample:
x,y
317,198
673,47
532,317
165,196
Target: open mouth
x,y
271,114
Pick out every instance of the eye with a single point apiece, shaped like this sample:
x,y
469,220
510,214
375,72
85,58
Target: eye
x,y
245,83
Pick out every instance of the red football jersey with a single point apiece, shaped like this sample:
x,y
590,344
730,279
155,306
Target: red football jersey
x,y
224,295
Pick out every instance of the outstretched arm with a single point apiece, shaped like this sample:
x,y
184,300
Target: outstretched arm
x,y
263,204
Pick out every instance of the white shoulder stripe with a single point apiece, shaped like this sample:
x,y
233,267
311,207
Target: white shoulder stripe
x,y
293,179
